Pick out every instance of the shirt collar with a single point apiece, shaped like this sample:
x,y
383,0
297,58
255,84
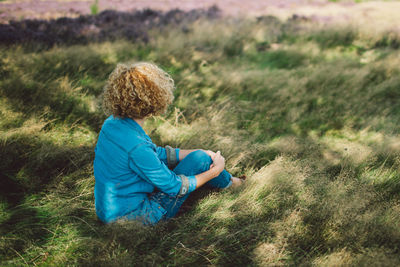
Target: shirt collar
x,y
136,126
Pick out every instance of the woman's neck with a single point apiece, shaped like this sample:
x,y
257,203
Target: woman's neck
x,y
140,122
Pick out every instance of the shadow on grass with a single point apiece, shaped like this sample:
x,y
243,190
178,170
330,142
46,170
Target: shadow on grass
x,y
32,170
52,95
30,165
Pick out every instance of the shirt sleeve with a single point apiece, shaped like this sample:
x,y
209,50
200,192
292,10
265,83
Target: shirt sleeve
x,y
168,155
144,161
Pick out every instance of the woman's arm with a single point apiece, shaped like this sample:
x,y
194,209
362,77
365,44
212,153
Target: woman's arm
x,y
144,161
216,168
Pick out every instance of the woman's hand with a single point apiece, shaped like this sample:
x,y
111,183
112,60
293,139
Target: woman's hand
x,y
216,168
210,153
218,164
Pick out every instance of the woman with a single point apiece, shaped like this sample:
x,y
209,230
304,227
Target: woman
x,y
135,179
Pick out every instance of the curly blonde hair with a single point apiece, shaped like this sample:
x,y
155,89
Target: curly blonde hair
x,y
137,91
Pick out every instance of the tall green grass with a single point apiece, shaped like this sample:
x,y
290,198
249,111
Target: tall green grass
x,y
309,114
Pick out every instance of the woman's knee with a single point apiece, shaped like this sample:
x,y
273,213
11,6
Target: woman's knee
x,y
199,156
196,162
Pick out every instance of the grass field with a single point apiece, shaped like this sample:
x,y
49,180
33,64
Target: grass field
x,y
310,114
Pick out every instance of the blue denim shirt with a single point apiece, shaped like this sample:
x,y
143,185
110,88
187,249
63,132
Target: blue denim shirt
x,y
128,167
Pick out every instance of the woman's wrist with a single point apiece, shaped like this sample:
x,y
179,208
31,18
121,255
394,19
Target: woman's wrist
x,y
206,176
214,172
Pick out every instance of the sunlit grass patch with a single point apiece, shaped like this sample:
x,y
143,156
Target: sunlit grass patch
x,y
274,188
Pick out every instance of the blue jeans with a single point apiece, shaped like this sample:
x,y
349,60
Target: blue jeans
x,y
195,163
